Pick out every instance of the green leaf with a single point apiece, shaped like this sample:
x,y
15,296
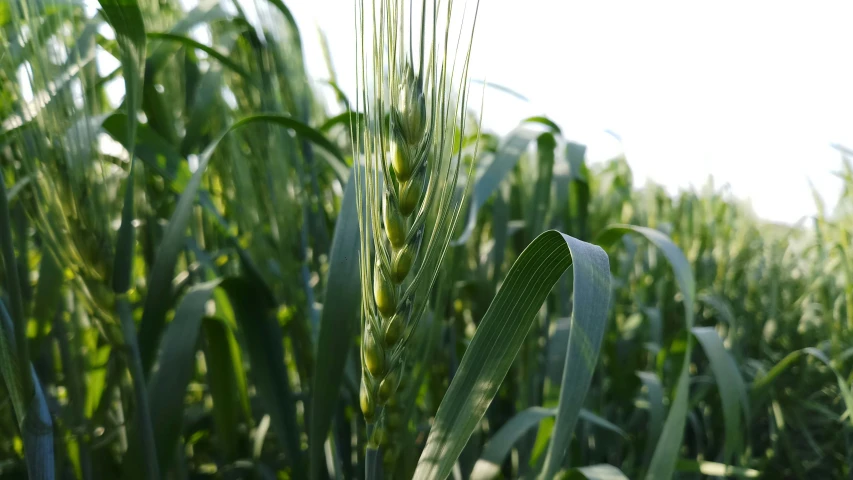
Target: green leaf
x,y
715,469
34,418
227,384
488,181
198,16
499,445
190,43
126,19
16,189
16,333
254,310
48,293
154,151
766,380
501,333
348,119
601,422
168,385
666,453
656,408
594,472
339,324
9,366
542,120
730,385
336,162
591,300
160,280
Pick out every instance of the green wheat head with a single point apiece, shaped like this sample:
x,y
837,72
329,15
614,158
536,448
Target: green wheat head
x,y
412,77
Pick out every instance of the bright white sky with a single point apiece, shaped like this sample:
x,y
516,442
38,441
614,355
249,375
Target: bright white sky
x,y
751,92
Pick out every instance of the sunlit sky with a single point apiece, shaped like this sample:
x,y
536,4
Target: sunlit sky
x,y
752,93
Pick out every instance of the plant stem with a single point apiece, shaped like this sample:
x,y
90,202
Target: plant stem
x,y
373,463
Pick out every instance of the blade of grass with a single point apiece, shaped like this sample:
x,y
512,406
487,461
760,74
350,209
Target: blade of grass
x,y
339,324
254,310
160,281
595,472
501,333
230,408
663,460
168,384
730,385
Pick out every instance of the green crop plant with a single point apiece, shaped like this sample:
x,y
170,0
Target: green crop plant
x,y
209,271
408,200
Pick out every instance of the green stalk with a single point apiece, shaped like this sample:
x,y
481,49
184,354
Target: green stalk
x,y
373,463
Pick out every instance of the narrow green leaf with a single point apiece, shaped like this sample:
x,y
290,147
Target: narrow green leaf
x,y
198,16
601,422
500,444
346,119
17,331
126,19
715,469
666,453
337,162
254,309
168,385
9,365
17,188
730,385
594,472
34,418
224,373
339,324
490,179
501,333
591,301
544,121
656,408
160,281
38,435
48,290
767,379
189,42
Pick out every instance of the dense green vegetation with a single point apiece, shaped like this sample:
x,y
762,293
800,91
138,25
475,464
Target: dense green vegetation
x,y
181,291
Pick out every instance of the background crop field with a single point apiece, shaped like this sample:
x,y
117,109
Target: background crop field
x,y
180,294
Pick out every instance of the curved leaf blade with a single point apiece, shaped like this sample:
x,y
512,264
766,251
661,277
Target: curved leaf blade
x,y
730,385
501,333
666,452
168,384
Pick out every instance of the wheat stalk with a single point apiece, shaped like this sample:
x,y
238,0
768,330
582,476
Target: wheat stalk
x,y
410,189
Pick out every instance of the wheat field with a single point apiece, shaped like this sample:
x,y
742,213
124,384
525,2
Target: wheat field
x,y
222,275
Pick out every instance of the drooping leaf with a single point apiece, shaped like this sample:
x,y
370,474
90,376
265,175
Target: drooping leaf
x,y
731,387
501,333
663,460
